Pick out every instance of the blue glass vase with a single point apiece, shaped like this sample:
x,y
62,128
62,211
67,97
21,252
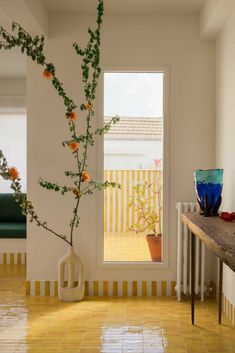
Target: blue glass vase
x,y
208,186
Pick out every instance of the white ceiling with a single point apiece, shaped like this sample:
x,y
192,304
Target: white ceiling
x,y
13,64
125,5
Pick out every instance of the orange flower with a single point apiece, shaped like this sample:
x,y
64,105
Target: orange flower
x,y
86,176
47,74
13,172
72,116
89,106
74,146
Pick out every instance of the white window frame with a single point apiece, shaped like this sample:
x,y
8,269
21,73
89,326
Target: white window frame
x,y
166,185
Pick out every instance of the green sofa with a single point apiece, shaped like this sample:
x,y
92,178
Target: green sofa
x,y
12,222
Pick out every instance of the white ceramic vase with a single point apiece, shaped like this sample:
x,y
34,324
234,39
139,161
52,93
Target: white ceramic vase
x,y
71,289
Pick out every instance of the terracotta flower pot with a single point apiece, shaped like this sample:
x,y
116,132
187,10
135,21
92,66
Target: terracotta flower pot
x,y
155,246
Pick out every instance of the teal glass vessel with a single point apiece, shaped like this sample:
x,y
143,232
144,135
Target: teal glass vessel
x,y
208,186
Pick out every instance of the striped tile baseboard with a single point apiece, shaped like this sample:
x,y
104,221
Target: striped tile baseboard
x,y
229,310
12,258
108,288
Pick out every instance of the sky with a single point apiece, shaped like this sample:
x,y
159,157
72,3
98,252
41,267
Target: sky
x,y
133,94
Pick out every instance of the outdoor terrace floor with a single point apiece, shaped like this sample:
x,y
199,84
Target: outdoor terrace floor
x,y
127,246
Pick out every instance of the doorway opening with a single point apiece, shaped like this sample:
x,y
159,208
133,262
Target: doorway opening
x,y
133,157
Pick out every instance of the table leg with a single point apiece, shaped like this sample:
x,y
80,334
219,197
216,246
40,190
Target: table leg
x,y
192,276
220,290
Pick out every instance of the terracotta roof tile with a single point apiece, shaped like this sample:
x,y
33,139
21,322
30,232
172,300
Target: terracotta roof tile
x,y
136,128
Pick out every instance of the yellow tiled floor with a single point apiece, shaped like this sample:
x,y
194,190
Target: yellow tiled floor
x,y
127,325
127,246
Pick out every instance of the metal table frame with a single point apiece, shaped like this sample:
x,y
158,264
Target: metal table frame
x,y
193,283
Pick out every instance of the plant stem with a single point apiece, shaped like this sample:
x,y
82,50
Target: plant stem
x,y
73,221
49,229
80,177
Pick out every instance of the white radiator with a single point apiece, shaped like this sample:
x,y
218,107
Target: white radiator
x,y
183,282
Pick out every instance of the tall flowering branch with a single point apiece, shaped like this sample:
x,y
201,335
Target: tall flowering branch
x,y
81,183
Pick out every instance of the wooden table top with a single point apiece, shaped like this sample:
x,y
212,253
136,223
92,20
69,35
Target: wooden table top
x,y
218,235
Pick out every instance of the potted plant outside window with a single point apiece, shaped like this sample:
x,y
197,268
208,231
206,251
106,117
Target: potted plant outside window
x,y
148,220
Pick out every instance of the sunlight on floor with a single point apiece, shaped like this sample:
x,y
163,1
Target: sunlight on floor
x,y
127,246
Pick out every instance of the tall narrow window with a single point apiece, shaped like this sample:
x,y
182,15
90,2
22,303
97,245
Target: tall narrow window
x,y
13,144
133,157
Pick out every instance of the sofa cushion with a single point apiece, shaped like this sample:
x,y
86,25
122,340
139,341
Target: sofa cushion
x,y
10,210
12,230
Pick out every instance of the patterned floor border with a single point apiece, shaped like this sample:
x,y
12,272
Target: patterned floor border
x,y
108,288
229,310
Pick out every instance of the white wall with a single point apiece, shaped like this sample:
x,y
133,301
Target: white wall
x,y
225,127
127,40
12,86
12,94
131,154
12,245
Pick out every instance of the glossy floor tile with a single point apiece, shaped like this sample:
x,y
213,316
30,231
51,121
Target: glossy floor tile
x,y
127,325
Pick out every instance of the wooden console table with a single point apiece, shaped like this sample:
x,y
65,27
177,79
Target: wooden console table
x,y
219,237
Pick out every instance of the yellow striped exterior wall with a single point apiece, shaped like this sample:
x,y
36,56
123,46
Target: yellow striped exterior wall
x,y
229,310
12,258
108,288
118,215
